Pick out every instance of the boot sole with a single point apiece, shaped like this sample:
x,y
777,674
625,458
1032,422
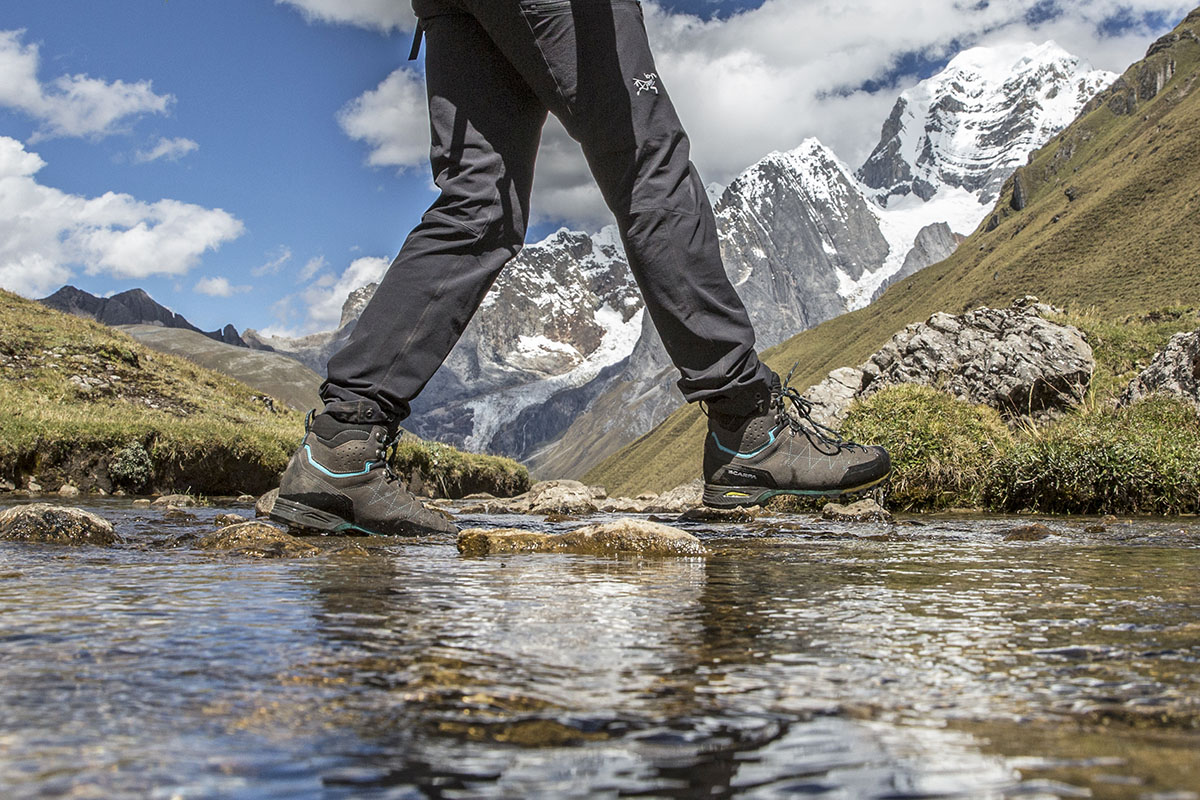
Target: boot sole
x,y
297,515
741,496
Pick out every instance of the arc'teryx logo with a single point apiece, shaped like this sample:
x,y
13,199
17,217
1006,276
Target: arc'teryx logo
x,y
648,83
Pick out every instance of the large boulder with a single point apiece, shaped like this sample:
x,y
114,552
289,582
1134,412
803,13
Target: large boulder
x,y
626,536
1011,359
1174,370
41,522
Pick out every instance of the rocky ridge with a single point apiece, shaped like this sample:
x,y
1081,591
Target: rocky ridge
x,y
133,307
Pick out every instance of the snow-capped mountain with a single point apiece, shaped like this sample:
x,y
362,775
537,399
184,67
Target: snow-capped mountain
x,y
976,121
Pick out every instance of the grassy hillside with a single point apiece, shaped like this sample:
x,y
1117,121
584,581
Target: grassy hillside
x,y
1104,220
86,404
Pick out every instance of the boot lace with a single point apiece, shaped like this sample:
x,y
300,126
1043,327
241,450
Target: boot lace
x,y
800,421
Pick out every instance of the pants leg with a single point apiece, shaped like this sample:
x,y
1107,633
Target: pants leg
x,y
486,125
590,63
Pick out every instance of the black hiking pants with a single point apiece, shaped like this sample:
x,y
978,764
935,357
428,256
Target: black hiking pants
x,y
494,68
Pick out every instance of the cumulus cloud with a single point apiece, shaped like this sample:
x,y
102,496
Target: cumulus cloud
x,y
382,15
219,287
322,299
169,149
768,78
69,105
393,119
45,232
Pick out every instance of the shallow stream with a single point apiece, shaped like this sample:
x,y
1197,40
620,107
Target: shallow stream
x,y
940,657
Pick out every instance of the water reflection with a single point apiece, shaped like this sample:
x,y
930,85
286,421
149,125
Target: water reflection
x,y
934,662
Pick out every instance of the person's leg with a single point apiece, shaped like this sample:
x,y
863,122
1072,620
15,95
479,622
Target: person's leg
x,y
590,62
486,124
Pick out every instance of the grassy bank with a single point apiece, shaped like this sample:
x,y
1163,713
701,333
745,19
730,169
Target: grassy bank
x,y
87,405
1098,459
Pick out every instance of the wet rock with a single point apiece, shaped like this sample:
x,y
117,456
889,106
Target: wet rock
x,y
638,537
176,500
679,499
41,522
623,505
729,516
477,496
351,551
245,498
865,510
141,503
225,520
1174,371
1034,532
177,513
263,507
493,506
555,497
67,490
1012,359
257,540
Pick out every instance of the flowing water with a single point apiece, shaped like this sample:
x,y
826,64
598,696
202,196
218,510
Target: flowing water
x,y
945,657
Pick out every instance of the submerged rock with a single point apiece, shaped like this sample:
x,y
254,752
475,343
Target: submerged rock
x,y
1174,371
263,507
258,540
42,522
638,537
730,516
225,520
177,500
1033,532
865,510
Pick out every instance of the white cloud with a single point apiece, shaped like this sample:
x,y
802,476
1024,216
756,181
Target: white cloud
x,y
768,78
69,105
382,15
275,262
44,232
170,149
392,118
311,268
323,299
219,287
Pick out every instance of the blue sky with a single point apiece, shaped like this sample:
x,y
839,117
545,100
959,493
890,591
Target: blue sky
x,y
266,155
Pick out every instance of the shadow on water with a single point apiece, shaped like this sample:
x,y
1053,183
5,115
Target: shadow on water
x,y
941,659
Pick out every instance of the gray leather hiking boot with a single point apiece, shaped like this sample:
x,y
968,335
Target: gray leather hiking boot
x,y
339,481
778,450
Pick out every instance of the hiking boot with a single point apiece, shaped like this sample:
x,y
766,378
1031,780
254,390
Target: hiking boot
x,y
777,450
339,481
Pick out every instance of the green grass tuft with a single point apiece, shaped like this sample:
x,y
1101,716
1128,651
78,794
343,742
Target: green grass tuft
x,y
446,472
942,449
1144,458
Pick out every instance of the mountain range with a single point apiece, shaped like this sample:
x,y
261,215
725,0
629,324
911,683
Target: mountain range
x,y
561,368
